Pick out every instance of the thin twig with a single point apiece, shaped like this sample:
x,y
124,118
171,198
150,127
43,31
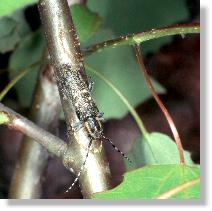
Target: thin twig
x,y
160,104
138,38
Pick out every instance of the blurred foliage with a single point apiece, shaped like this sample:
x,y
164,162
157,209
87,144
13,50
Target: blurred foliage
x,y
85,21
155,180
23,28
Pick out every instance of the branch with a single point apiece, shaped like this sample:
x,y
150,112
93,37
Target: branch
x,y
143,36
32,158
64,50
17,122
160,104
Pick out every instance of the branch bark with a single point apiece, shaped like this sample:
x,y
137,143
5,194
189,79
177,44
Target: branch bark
x,y
65,53
32,159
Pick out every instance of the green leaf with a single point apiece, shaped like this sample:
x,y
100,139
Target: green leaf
x,y
119,66
9,36
28,52
160,149
85,21
9,6
138,16
152,181
23,28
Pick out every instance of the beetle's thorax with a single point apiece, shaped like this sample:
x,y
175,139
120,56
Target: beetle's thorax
x,y
94,127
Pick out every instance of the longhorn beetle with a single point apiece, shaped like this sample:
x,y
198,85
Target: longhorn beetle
x,y
88,114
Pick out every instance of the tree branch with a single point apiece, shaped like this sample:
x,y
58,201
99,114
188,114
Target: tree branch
x,y
143,36
33,157
17,122
65,53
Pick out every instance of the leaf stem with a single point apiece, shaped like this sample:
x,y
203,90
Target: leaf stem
x,y
160,103
16,79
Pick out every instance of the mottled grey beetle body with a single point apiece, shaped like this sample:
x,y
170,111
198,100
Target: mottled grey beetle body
x,y
86,109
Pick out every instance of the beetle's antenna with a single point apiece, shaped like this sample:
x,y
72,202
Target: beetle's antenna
x,y
117,149
81,169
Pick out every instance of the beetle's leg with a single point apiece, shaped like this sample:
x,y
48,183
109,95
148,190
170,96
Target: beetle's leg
x,y
100,116
90,84
77,126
